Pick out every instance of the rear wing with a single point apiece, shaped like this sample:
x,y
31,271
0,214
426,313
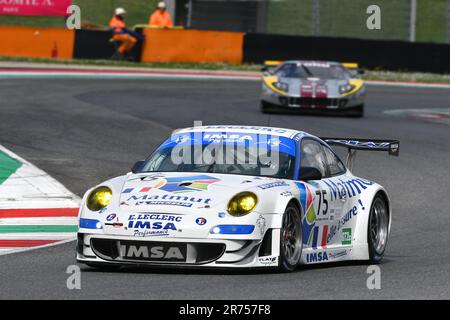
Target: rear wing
x,y
392,147
270,65
350,65
354,68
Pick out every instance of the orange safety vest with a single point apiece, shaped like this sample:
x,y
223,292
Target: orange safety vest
x,y
116,25
160,19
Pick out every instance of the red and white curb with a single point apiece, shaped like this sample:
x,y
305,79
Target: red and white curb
x,y
35,209
95,73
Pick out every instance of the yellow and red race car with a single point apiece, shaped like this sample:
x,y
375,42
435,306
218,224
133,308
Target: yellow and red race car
x,y
313,86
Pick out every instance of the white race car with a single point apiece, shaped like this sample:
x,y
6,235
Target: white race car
x,y
240,197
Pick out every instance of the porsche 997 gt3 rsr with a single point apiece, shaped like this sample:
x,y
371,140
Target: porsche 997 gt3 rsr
x,y
240,197
313,86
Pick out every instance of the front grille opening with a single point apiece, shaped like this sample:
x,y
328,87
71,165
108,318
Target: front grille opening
x,y
105,248
317,102
193,253
80,243
266,246
207,252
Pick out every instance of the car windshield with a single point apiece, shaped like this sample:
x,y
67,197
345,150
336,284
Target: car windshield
x,y
241,154
312,70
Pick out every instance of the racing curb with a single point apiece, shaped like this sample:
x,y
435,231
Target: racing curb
x,y
36,211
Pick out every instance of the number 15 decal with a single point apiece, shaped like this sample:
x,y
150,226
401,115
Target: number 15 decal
x,y
322,200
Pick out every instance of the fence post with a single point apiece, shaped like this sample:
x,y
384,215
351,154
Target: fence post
x,y
189,14
412,20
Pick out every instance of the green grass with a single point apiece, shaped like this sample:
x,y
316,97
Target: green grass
x,y
347,18
369,75
431,22
291,17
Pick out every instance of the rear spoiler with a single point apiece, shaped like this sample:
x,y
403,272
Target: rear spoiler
x,y
272,63
351,65
392,147
354,68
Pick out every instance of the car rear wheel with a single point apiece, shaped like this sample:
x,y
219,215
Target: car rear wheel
x,y
378,229
290,239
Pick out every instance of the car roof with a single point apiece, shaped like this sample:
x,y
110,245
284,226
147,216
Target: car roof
x,y
282,132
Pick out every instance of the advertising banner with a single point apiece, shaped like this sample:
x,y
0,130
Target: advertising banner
x,y
34,7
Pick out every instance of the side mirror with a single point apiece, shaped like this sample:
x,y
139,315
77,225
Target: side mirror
x,y
137,166
309,173
264,69
361,71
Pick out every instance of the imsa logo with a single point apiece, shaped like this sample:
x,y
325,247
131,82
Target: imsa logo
x,y
317,257
153,252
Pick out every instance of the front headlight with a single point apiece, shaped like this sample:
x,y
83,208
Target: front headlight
x,y
346,88
281,86
242,204
99,198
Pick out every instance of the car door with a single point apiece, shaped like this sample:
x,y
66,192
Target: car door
x,y
320,204
337,195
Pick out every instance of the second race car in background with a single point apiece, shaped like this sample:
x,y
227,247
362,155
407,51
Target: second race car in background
x,y
313,86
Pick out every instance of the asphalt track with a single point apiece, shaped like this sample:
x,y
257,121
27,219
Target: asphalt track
x,y
84,131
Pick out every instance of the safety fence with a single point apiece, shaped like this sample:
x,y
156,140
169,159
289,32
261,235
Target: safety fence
x,y
404,20
201,46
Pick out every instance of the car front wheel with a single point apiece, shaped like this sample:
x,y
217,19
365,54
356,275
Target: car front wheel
x,y
290,239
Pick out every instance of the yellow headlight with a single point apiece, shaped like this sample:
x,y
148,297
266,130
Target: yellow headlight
x,y
99,198
242,204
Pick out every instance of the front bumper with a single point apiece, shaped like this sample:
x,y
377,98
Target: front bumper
x,y
209,253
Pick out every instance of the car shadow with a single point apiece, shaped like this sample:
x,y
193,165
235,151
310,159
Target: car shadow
x,y
187,270
315,113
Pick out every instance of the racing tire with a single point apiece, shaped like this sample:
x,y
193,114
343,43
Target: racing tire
x,y
378,229
291,243
356,112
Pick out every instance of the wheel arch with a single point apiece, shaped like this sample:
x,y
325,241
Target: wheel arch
x,y
296,202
